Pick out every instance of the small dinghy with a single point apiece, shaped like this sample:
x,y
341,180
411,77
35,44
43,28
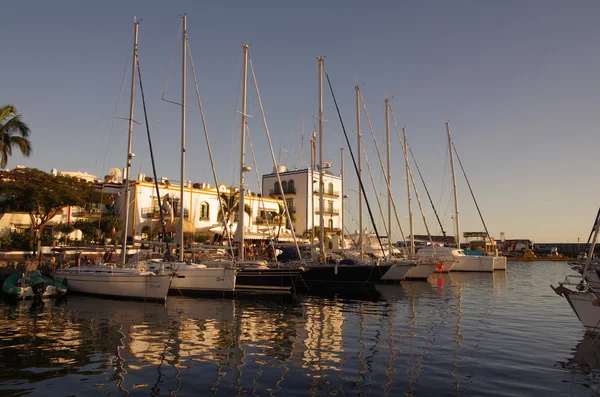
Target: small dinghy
x,y
32,285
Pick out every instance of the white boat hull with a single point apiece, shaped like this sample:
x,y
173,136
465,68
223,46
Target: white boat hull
x,y
586,309
139,286
196,277
207,279
473,263
499,263
422,271
397,272
447,265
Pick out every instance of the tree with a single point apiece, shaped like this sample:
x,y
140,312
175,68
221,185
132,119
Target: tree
x,y
281,219
13,133
231,205
37,192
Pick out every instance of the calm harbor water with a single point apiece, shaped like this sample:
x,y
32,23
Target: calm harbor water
x,y
501,334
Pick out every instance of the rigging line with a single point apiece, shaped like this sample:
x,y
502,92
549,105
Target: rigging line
x,y
471,190
376,195
410,175
428,195
160,207
387,181
114,118
362,188
261,199
209,148
262,112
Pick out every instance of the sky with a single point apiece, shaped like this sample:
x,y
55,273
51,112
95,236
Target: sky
x,y
516,79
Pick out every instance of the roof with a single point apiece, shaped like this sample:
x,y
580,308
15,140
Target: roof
x,y
435,239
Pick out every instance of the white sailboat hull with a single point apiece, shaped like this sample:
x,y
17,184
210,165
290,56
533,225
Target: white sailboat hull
x,y
397,272
499,263
473,263
208,279
586,309
196,277
128,285
422,271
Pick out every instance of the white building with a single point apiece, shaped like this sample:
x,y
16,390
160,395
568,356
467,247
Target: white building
x,y
301,190
200,207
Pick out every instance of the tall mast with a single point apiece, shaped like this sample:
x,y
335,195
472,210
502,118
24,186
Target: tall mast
x,y
359,151
457,238
389,177
129,154
183,95
342,193
321,184
313,144
408,179
243,169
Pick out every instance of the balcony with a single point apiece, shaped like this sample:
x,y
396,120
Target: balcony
x,y
328,211
94,213
150,213
277,191
328,193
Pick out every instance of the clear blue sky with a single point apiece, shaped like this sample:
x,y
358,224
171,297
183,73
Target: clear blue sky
x,y
517,79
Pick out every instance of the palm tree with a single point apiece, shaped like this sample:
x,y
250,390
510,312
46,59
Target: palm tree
x,y
281,219
231,204
13,133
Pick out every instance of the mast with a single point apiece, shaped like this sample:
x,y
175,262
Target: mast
x,y
408,179
241,204
321,184
457,238
183,95
313,144
130,155
389,177
342,193
359,150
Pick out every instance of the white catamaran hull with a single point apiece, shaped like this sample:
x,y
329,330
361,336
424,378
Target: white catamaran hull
x,y
474,263
587,309
499,263
422,271
139,286
397,272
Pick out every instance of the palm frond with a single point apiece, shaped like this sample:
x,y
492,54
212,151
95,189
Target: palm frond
x,y
7,111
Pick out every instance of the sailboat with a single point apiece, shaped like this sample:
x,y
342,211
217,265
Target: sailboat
x,y
119,280
192,277
463,262
582,290
255,276
416,269
347,272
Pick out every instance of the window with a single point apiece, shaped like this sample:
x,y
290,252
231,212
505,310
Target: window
x,y
330,206
290,205
204,211
284,186
291,187
330,188
330,223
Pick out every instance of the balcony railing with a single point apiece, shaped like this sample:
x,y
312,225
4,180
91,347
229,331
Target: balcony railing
x,y
150,212
328,211
94,212
277,191
328,193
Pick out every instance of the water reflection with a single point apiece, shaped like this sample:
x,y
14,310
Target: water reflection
x,y
450,335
